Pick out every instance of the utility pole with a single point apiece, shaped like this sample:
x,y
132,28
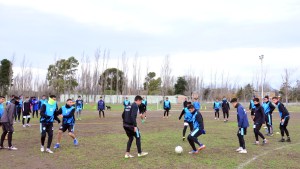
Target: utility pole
x,y
261,57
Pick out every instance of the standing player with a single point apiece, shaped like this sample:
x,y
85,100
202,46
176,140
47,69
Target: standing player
x,y
268,108
243,124
101,107
198,129
126,102
252,107
7,121
48,115
284,119
26,112
79,107
196,104
217,106
188,121
19,109
130,126
167,107
185,103
225,109
35,107
259,120
145,104
67,112
2,99
42,101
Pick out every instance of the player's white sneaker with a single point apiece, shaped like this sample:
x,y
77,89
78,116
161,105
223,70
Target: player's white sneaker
x,y
142,154
239,149
28,125
49,151
243,151
12,148
42,149
128,156
215,118
24,126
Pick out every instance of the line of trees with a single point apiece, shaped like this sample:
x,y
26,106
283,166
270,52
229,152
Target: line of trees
x,y
93,77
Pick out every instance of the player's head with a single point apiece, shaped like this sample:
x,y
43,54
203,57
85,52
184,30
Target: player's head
x,y
43,97
70,102
17,99
275,100
53,97
79,97
126,98
167,98
195,98
26,98
217,99
266,99
256,101
234,102
191,108
138,100
2,99
189,103
101,98
12,96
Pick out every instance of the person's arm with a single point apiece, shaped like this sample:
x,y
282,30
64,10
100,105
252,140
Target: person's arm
x,y
182,113
241,116
272,108
98,106
133,114
214,105
228,106
43,111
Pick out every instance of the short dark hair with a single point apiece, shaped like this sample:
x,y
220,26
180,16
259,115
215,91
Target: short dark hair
x,y
69,100
189,102
191,107
52,96
233,100
275,98
256,99
17,98
2,97
267,97
79,96
138,98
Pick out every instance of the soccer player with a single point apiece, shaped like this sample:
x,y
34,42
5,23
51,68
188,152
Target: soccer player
x,y
67,112
252,107
101,107
196,104
7,121
225,109
217,106
48,115
42,101
284,119
79,107
185,103
19,109
188,121
35,107
243,124
126,102
259,120
144,105
268,108
26,112
198,129
167,107
130,126
2,99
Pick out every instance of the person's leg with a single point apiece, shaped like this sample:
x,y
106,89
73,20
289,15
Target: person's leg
x,y
100,114
130,135
3,134
16,114
9,138
259,133
286,121
184,129
255,134
192,143
165,113
19,114
50,135
37,114
23,120
28,120
80,114
138,143
282,130
271,123
103,114
43,134
218,113
168,110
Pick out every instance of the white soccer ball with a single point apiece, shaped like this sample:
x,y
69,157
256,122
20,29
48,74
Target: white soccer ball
x,y
178,149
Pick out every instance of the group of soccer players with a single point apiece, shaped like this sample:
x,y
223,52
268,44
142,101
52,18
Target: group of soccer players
x,y
48,113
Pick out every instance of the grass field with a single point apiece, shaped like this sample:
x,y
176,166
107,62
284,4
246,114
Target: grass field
x,y
103,142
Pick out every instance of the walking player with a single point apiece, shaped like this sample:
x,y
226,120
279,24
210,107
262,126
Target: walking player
x,y
243,124
167,107
26,112
67,112
79,107
130,126
101,107
48,115
225,109
217,106
259,120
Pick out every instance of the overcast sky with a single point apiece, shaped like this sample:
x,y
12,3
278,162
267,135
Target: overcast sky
x,y
200,36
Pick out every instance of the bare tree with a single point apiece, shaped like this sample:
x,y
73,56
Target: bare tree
x,y
166,75
286,79
125,71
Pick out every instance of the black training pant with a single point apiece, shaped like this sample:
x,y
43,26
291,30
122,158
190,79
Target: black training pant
x,y
256,129
131,135
46,128
283,127
7,129
241,133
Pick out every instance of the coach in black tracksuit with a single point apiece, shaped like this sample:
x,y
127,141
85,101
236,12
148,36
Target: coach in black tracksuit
x,y
259,120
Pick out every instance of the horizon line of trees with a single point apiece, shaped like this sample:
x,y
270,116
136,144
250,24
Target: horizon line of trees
x,y
96,78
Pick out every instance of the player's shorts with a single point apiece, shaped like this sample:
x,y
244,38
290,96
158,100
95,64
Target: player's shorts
x,y
66,127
